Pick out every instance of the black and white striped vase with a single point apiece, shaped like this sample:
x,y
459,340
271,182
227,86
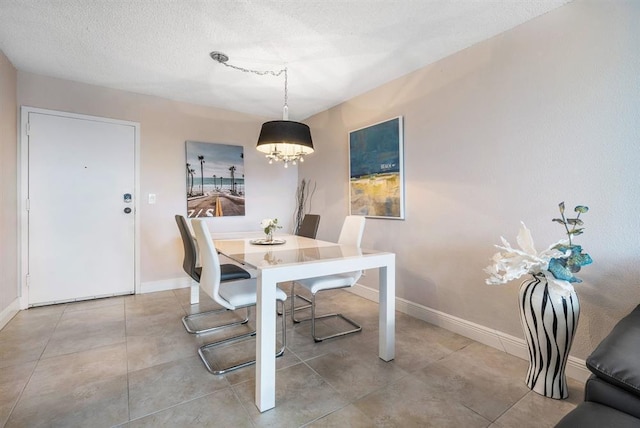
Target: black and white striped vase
x,y
549,321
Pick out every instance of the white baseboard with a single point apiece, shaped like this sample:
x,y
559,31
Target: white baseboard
x,y
165,284
9,312
576,368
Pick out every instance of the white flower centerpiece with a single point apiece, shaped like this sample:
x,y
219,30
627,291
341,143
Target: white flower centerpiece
x,y
548,304
269,225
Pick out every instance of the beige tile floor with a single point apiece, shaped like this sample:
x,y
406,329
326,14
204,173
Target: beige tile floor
x,y
127,361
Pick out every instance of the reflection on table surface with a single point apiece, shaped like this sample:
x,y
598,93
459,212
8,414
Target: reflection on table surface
x,y
297,249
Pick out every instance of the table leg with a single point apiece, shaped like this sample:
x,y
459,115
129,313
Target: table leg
x,y
387,315
265,343
195,292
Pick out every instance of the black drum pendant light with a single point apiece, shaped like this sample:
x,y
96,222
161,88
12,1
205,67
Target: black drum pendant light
x,y
280,140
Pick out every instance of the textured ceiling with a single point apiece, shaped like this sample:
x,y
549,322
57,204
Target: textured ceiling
x,y
333,49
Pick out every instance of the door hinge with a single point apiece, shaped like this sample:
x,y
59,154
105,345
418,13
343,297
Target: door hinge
x,y
27,204
28,280
28,130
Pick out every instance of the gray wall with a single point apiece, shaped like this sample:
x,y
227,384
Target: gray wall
x,y
164,127
498,133
8,185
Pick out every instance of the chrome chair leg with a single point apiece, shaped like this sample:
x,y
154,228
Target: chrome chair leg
x,y
298,308
186,321
210,366
314,318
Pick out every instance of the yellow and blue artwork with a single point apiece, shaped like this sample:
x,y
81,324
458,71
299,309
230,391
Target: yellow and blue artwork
x,y
376,170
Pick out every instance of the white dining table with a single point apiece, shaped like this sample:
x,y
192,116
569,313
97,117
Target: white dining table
x,y
299,258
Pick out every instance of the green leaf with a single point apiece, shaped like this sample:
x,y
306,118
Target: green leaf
x,y
581,209
561,206
558,220
576,231
575,221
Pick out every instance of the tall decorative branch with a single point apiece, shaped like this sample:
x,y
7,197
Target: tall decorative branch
x,y
304,194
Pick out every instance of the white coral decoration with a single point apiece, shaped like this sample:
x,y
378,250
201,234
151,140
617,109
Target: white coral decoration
x,y
512,263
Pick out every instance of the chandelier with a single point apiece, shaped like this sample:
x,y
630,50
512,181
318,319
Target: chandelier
x,y
280,140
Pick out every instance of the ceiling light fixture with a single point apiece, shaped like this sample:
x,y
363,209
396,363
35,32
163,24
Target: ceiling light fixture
x,y
281,140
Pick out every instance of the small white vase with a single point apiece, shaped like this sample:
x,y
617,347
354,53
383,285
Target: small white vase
x,y
549,321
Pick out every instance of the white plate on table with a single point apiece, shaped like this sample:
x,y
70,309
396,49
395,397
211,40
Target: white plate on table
x,y
263,241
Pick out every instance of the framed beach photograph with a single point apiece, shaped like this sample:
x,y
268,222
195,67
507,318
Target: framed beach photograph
x,y
215,180
376,170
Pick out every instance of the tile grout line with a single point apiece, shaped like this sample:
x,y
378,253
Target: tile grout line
x,y
242,405
347,408
37,363
512,406
229,386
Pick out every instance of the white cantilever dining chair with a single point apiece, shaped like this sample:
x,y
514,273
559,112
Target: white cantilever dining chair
x,y
351,234
228,272
308,229
230,294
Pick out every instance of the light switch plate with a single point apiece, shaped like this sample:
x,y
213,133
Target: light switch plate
x,y
152,198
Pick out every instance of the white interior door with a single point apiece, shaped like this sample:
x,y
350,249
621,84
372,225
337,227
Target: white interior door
x,y
81,242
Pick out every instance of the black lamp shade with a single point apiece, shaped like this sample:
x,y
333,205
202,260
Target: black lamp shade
x,y
288,135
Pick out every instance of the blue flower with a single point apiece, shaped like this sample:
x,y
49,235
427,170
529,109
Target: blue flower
x,y
564,268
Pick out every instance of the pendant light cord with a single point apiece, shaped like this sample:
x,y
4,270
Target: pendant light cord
x,y
280,140
222,59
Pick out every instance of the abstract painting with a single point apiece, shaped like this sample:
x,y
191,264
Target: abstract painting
x,y
215,180
376,170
